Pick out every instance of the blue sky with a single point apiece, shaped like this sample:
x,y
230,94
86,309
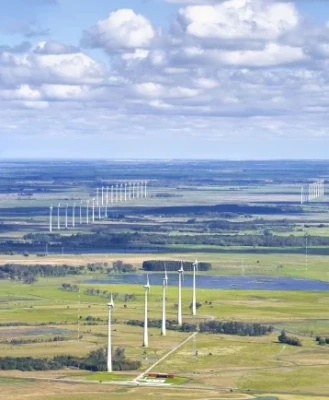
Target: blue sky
x,y
238,79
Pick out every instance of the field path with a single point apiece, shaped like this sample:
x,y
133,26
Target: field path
x,y
165,356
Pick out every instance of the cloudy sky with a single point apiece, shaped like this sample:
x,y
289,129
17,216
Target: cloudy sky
x,y
234,79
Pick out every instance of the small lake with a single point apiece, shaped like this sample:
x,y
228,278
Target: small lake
x,y
219,282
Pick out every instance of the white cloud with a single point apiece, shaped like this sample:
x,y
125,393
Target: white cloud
x,y
123,29
238,19
232,69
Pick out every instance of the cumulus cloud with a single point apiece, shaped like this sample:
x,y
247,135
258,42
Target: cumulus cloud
x,y
238,19
227,69
123,29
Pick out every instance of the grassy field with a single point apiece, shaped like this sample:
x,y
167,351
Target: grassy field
x,y
241,363
252,367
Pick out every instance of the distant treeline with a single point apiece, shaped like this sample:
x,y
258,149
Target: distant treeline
x,y
94,361
235,328
171,325
142,239
29,273
125,297
158,265
218,327
220,208
17,342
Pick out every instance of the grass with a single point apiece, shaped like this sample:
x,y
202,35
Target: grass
x,y
104,377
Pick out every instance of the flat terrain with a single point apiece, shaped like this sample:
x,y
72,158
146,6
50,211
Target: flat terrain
x,y
245,218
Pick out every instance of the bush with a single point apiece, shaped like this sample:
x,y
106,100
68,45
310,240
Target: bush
x,y
292,341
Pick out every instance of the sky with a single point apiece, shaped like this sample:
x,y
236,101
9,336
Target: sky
x,y
150,79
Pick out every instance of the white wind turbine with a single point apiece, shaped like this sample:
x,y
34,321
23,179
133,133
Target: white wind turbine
x,y
164,287
80,215
87,212
109,342
58,217
146,335
66,210
73,215
195,269
180,277
93,209
51,219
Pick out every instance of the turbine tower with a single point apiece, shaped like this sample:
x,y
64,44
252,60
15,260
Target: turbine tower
x,y
121,192
146,334
116,193
112,194
102,196
58,217
109,342
73,215
164,286
180,275
107,195
125,191
66,209
80,220
97,199
93,209
137,190
51,219
145,189
195,268
87,212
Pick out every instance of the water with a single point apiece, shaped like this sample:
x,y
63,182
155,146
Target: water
x,y
47,331
220,282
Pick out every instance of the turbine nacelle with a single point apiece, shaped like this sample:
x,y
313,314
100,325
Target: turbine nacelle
x,y
147,286
181,270
165,279
111,303
196,266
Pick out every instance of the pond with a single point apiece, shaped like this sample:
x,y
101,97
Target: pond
x,y
220,282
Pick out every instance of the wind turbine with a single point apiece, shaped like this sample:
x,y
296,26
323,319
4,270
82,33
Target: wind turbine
x,y
66,209
87,212
73,215
102,196
93,209
137,190
116,193
97,200
145,189
109,339
195,268
58,217
107,195
121,192
180,275
80,212
51,219
164,286
105,210
112,194
125,191
146,335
